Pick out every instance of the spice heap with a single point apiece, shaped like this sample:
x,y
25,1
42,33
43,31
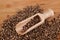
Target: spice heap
x,y
46,31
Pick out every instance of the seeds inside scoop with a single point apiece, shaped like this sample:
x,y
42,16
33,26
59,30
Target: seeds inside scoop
x,y
36,19
26,24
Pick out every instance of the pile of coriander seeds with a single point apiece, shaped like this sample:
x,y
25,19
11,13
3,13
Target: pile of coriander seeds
x,y
47,31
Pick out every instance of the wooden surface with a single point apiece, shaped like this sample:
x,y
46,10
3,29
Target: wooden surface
x,y
10,7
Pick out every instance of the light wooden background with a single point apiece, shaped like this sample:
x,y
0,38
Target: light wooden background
x,y
10,7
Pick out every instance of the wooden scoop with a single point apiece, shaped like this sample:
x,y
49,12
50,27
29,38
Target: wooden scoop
x,y
45,15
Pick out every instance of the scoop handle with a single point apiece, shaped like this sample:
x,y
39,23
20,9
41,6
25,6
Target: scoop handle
x,y
47,14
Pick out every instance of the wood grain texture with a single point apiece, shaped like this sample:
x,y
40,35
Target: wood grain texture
x,y
10,7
